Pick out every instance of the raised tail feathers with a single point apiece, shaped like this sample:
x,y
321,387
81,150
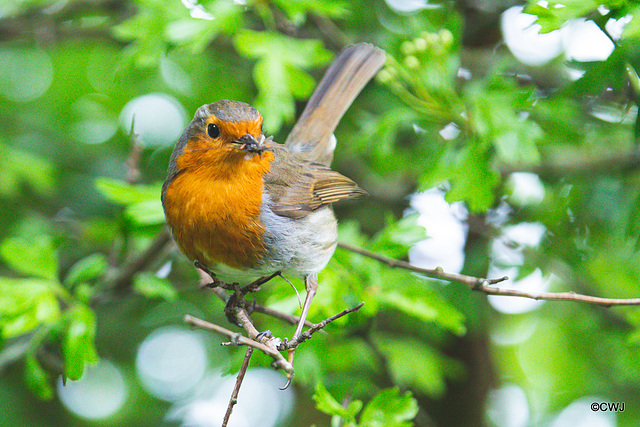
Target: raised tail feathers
x,y
343,81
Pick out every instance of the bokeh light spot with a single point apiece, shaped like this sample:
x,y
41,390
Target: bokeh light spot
x,y
25,73
158,118
446,229
100,392
580,414
171,361
260,402
508,406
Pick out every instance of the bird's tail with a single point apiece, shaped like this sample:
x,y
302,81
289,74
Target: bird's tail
x,y
347,76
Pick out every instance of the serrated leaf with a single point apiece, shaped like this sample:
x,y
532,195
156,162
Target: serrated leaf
x,y
86,269
278,73
154,287
36,378
25,304
36,257
474,181
298,52
325,402
389,409
78,347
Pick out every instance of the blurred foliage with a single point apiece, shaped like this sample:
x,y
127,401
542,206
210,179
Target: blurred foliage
x,y
387,408
79,201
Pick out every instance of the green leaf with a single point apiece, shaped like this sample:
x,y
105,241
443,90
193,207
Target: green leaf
x,y
297,10
389,409
122,193
36,257
274,96
196,34
278,73
78,347
25,304
143,205
154,287
426,306
36,378
472,179
632,29
17,166
416,365
327,404
300,83
86,269
501,118
289,50
610,73
398,237
149,212
556,13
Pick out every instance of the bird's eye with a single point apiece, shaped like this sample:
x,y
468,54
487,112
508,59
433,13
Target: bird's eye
x,y
213,130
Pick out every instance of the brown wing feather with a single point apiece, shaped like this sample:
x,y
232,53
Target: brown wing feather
x,y
298,187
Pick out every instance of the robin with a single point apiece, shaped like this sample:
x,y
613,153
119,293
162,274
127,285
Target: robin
x,y
247,208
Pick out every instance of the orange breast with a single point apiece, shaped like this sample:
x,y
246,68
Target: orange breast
x,y
213,205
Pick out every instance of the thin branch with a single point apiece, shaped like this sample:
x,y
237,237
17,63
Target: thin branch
x,y
578,163
236,389
436,273
289,318
235,308
126,272
558,296
236,338
287,345
485,285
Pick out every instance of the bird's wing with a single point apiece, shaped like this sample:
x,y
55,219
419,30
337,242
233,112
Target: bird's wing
x,y
298,187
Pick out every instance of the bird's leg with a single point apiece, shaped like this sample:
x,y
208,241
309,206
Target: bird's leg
x,y
255,285
215,282
311,285
234,304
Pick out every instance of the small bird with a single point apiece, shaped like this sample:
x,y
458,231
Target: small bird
x,y
247,208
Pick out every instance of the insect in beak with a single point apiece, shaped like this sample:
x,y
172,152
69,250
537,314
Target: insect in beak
x,y
252,145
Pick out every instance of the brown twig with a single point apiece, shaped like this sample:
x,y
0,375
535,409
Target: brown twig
x,y
235,308
289,318
580,163
236,388
279,361
128,270
135,155
287,345
558,296
485,285
436,273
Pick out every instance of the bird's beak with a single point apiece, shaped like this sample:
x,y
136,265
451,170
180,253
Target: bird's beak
x,y
252,145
